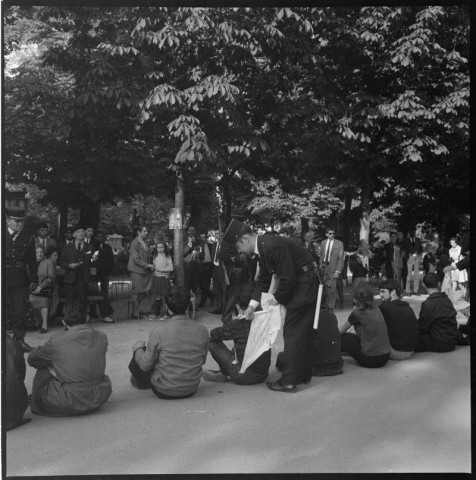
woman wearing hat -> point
(140, 268)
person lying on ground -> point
(369, 346)
(402, 324)
(171, 361)
(437, 326)
(71, 378)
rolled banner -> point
(318, 306)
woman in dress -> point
(160, 281)
(369, 346)
(46, 278)
(458, 277)
(140, 269)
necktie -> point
(328, 251)
(80, 247)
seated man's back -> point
(71, 367)
(402, 324)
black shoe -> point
(24, 345)
(277, 386)
(216, 312)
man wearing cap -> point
(76, 261)
(297, 291)
(16, 273)
(331, 263)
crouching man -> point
(230, 362)
(171, 362)
(71, 378)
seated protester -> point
(326, 347)
(438, 329)
(370, 345)
(402, 324)
(105, 308)
(230, 361)
(16, 397)
(171, 363)
(71, 365)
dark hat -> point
(69, 228)
(15, 214)
(234, 230)
(78, 227)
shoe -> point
(24, 345)
(43, 330)
(214, 376)
(277, 386)
(107, 320)
(216, 312)
(165, 317)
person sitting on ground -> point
(370, 345)
(171, 362)
(230, 361)
(71, 378)
(438, 329)
(16, 396)
(402, 324)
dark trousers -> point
(218, 276)
(225, 357)
(350, 343)
(104, 285)
(426, 343)
(204, 279)
(18, 296)
(77, 291)
(141, 380)
(232, 295)
(297, 335)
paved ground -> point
(411, 416)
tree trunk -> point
(89, 213)
(227, 202)
(347, 217)
(364, 233)
(63, 219)
(178, 234)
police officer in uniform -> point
(17, 279)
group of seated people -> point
(71, 378)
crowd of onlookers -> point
(71, 378)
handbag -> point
(44, 292)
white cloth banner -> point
(455, 296)
(264, 330)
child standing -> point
(160, 281)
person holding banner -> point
(230, 361)
(296, 290)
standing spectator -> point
(310, 244)
(45, 276)
(360, 268)
(41, 239)
(160, 281)
(218, 275)
(414, 249)
(171, 362)
(76, 262)
(104, 263)
(68, 238)
(140, 268)
(369, 346)
(393, 259)
(296, 290)
(438, 329)
(429, 259)
(332, 263)
(458, 277)
(53, 256)
(89, 237)
(204, 269)
(190, 254)
(16, 273)
(442, 260)
(402, 324)
(70, 377)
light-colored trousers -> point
(413, 263)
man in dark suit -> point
(297, 291)
(17, 280)
(76, 261)
(104, 263)
(331, 263)
(218, 275)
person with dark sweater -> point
(369, 346)
(438, 329)
(402, 324)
